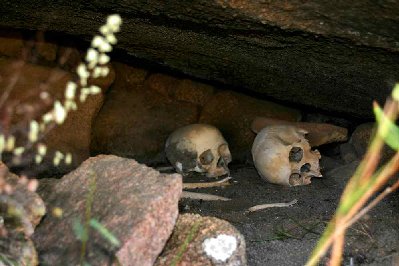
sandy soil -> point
(286, 236)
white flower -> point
(10, 143)
(104, 71)
(220, 248)
(111, 38)
(96, 72)
(59, 113)
(38, 158)
(104, 29)
(48, 117)
(18, 151)
(103, 59)
(70, 105)
(57, 158)
(92, 55)
(41, 149)
(94, 89)
(83, 74)
(97, 41)
(105, 47)
(114, 22)
(33, 131)
(68, 158)
(70, 90)
(2, 143)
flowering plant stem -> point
(365, 182)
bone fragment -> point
(220, 183)
(271, 205)
(202, 196)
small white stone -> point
(179, 166)
(220, 248)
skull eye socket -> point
(221, 162)
(305, 168)
(296, 154)
(206, 157)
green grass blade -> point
(104, 232)
(387, 129)
(79, 230)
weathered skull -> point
(283, 156)
(200, 148)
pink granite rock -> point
(136, 203)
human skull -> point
(200, 148)
(283, 156)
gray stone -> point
(348, 152)
(323, 54)
(137, 204)
(199, 233)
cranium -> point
(200, 148)
(283, 156)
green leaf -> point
(104, 232)
(79, 230)
(395, 92)
(387, 129)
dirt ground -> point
(286, 236)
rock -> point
(210, 241)
(130, 76)
(46, 50)
(348, 152)
(15, 249)
(69, 57)
(74, 135)
(232, 113)
(319, 133)
(20, 210)
(28, 201)
(193, 92)
(137, 204)
(162, 83)
(361, 137)
(135, 120)
(104, 82)
(180, 89)
(328, 163)
(11, 44)
(291, 51)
